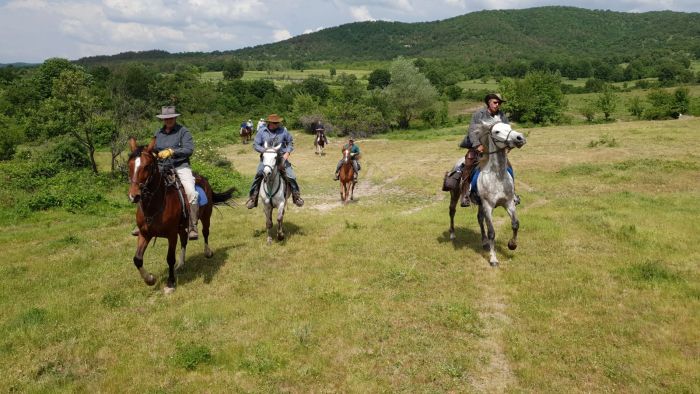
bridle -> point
(272, 171)
(146, 192)
(496, 142)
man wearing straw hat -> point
(174, 143)
(274, 133)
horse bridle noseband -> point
(494, 141)
(279, 184)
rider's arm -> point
(258, 143)
(186, 147)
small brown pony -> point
(246, 133)
(320, 142)
(347, 177)
(160, 211)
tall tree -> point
(409, 92)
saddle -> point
(452, 179)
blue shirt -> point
(280, 135)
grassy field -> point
(602, 295)
(286, 77)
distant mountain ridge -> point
(484, 35)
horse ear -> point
(132, 144)
(265, 145)
(151, 145)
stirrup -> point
(298, 201)
(192, 235)
(252, 202)
(465, 201)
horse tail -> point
(222, 197)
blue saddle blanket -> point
(202, 199)
(475, 177)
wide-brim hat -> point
(167, 113)
(492, 96)
(274, 118)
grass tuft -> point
(190, 356)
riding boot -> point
(337, 176)
(135, 232)
(296, 194)
(194, 217)
(254, 190)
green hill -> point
(528, 34)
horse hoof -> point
(512, 245)
(452, 236)
(486, 247)
(269, 240)
(493, 264)
(179, 265)
(208, 254)
(150, 280)
(168, 290)
(280, 237)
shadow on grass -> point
(471, 238)
(198, 266)
(290, 230)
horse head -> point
(346, 155)
(502, 134)
(270, 159)
(142, 167)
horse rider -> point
(320, 129)
(354, 159)
(492, 112)
(260, 125)
(248, 126)
(274, 134)
(174, 142)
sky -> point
(35, 30)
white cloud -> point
(307, 31)
(457, 3)
(281, 35)
(360, 14)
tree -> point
(352, 90)
(536, 99)
(233, 69)
(379, 78)
(73, 109)
(49, 71)
(635, 106)
(316, 88)
(409, 91)
(607, 101)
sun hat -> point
(274, 118)
(492, 96)
(167, 113)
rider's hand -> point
(165, 153)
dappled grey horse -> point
(274, 189)
(494, 184)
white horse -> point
(495, 185)
(274, 190)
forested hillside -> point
(529, 34)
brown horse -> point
(246, 133)
(320, 142)
(347, 177)
(160, 211)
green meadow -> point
(602, 294)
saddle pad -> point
(202, 199)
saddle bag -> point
(451, 181)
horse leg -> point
(206, 220)
(480, 218)
(142, 244)
(453, 208)
(183, 247)
(352, 191)
(515, 224)
(268, 221)
(488, 215)
(280, 217)
(172, 243)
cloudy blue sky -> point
(34, 30)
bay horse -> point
(160, 212)
(347, 177)
(495, 186)
(320, 142)
(274, 189)
(246, 133)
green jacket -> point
(354, 151)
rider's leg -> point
(356, 167)
(184, 172)
(470, 161)
(255, 188)
(516, 198)
(289, 175)
(337, 170)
